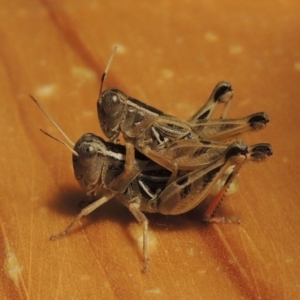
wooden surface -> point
(171, 54)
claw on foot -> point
(146, 266)
(56, 236)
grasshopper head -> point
(111, 109)
(89, 162)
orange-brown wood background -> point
(171, 54)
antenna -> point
(51, 120)
(106, 70)
(58, 140)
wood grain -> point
(171, 54)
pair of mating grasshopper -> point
(168, 165)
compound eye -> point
(111, 103)
(89, 156)
(90, 150)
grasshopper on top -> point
(167, 140)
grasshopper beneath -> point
(97, 165)
(167, 140)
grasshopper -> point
(97, 165)
(167, 140)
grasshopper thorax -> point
(119, 113)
